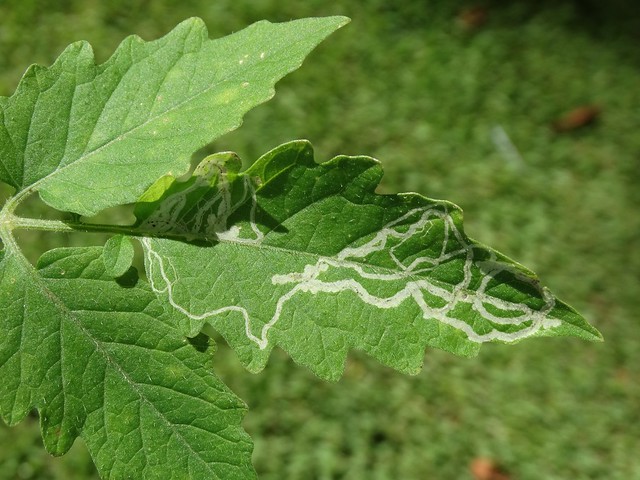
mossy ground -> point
(409, 83)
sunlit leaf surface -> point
(308, 257)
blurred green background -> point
(457, 100)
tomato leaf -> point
(308, 257)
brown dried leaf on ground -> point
(486, 469)
(577, 118)
(472, 18)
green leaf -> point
(309, 258)
(103, 360)
(118, 255)
(88, 137)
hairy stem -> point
(12, 222)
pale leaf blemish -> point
(226, 96)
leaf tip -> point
(342, 20)
(593, 335)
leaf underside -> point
(308, 257)
(104, 360)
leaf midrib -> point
(317, 256)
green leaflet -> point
(104, 360)
(309, 258)
(88, 137)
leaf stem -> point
(9, 223)
(60, 226)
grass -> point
(406, 83)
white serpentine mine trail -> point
(412, 279)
